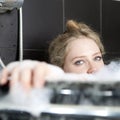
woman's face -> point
(83, 56)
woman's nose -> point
(92, 68)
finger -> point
(26, 78)
(4, 76)
(39, 74)
(14, 77)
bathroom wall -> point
(45, 19)
(111, 27)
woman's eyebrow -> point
(97, 53)
(77, 57)
(85, 56)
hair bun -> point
(71, 25)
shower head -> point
(6, 5)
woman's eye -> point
(98, 58)
(79, 62)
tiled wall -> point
(111, 27)
(45, 19)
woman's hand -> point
(29, 73)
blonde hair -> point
(58, 47)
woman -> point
(69, 50)
(78, 50)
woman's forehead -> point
(82, 42)
(82, 46)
